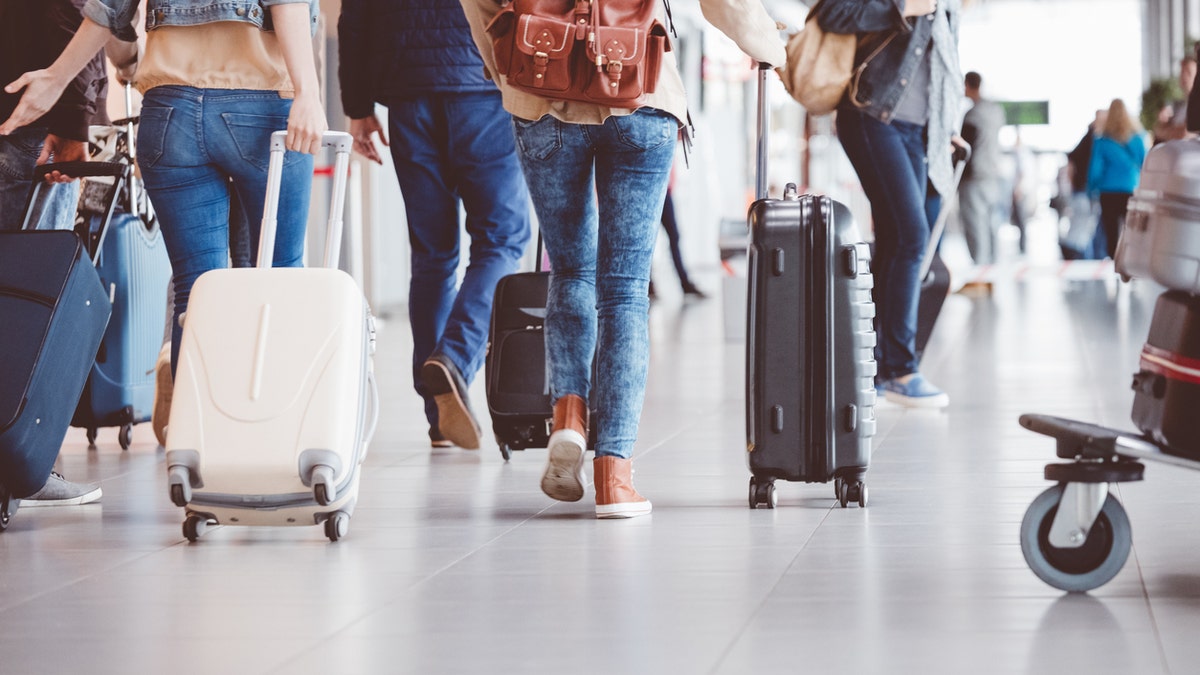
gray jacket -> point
(117, 15)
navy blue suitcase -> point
(135, 270)
(53, 311)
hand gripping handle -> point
(341, 143)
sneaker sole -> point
(626, 510)
(939, 401)
(88, 498)
(563, 478)
(454, 420)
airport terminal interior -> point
(456, 562)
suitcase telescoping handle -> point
(760, 134)
(960, 158)
(341, 143)
(80, 170)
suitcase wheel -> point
(125, 436)
(337, 525)
(91, 437)
(505, 451)
(7, 508)
(763, 492)
(851, 492)
(194, 526)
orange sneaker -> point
(563, 478)
(615, 496)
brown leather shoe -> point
(456, 422)
(563, 478)
(615, 496)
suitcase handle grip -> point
(80, 169)
(341, 143)
(760, 136)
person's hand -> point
(959, 147)
(61, 150)
(364, 130)
(306, 124)
(919, 7)
(42, 90)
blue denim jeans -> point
(194, 147)
(450, 148)
(891, 165)
(55, 208)
(598, 191)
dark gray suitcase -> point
(1167, 385)
(810, 364)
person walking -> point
(1117, 156)
(451, 143)
(218, 79)
(982, 183)
(598, 177)
(897, 123)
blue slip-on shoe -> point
(917, 392)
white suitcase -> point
(274, 399)
(1161, 236)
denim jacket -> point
(888, 74)
(117, 15)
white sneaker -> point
(563, 478)
(59, 491)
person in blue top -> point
(1117, 155)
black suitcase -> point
(518, 389)
(810, 364)
(1167, 385)
(53, 311)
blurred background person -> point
(1117, 155)
(982, 181)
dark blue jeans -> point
(891, 165)
(451, 148)
(55, 209)
(194, 147)
(598, 191)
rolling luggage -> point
(1161, 236)
(135, 269)
(810, 365)
(274, 401)
(1167, 385)
(518, 389)
(53, 311)
(935, 276)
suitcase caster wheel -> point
(1089, 566)
(762, 493)
(844, 495)
(769, 496)
(125, 436)
(337, 525)
(837, 487)
(853, 492)
(862, 496)
(179, 495)
(7, 508)
(91, 437)
(505, 451)
(194, 526)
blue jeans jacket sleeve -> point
(115, 15)
(861, 16)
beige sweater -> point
(745, 21)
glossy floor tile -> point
(456, 563)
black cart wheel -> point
(769, 496)
(337, 525)
(177, 496)
(125, 436)
(837, 487)
(91, 436)
(844, 496)
(1089, 566)
(862, 496)
(753, 492)
(505, 451)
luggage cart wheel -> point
(125, 436)
(194, 526)
(337, 525)
(91, 437)
(1093, 563)
(505, 451)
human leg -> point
(18, 158)
(890, 162)
(417, 131)
(975, 208)
(1112, 216)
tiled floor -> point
(456, 563)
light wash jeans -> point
(194, 147)
(55, 208)
(598, 191)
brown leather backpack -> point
(606, 52)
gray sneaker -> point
(59, 491)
